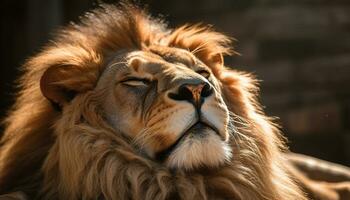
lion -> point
(120, 106)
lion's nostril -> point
(207, 90)
(184, 93)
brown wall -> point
(299, 49)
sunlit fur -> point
(76, 153)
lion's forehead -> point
(161, 59)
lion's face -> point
(170, 105)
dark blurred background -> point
(300, 50)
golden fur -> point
(76, 154)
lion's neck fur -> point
(89, 163)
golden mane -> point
(43, 151)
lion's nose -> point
(194, 93)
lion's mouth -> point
(197, 129)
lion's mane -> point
(74, 154)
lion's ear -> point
(216, 59)
(206, 44)
(61, 83)
(50, 87)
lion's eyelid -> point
(204, 73)
(135, 82)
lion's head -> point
(169, 104)
(122, 107)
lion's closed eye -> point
(136, 82)
(204, 73)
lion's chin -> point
(199, 150)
